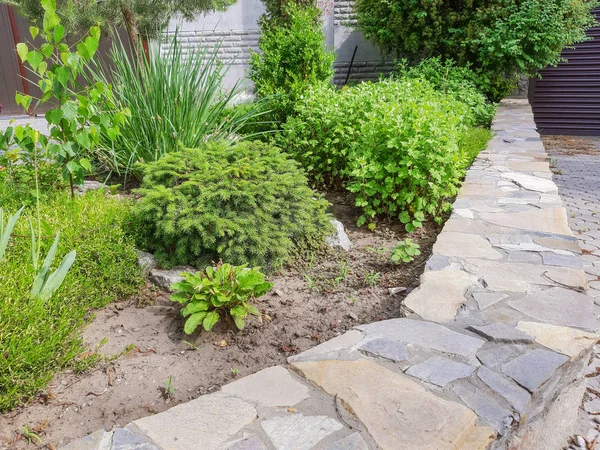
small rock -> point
(277, 293)
(339, 238)
(581, 442)
(165, 278)
(89, 185)
(146, 261)
(353, 316)
(396, 290)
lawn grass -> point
(471, 142)
(39, 338)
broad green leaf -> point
(42, 274)
(51, 20)
(84, 140)
(42, 68)
(47, 49)
(58, 276)
(182, 286)
(85, 163)
(252, 310)
(194, 308)
(54, 116)
(22, 51)
(180, 297)
(63, 75)
(238, 311)
(69, 110)
(59, 32)
(193, 321)
(34, 31)
(239, 322)
(23, 100)
(210, 320)
(48, 5)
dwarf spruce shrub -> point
(247, 203)
(394, 144)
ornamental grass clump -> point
(245, 204)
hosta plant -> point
(224, 289)
(405, 251)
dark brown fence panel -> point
(566, 100)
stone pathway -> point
(492, 357)
(577, 174)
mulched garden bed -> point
(311, 302)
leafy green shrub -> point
(246, 204)
(394, 144)
(176, 97)
(405, 251)
(293, 56)
(501, 39)
(223, 288)
(39, 337)
(460, 82)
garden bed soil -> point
(311, 302)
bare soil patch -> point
(311, 302)
(571, 145)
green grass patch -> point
(39, 338)
(471, 142)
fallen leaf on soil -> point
(111, 374)
(288, 348)
(221, 343)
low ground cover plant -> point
(245, 204)
(394, 144)
(224, 289)
(40, 334)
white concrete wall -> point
(239, 32)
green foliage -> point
(293, 57)
(221, 289)
(501, 39)
(460, 82)
(394, 144)
(246, 203)
(76, 119)
(405, 251)
(175, 99)
(40, 337)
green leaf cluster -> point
(293, 56)
(405, 251)
(243, 203)
(221, 289)
(500, 39)
(394, 144)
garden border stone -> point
(491, 357)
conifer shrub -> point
(247, 203)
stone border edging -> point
(492, 357)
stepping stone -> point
(352, 442)
(385, 348)
(299, 432)
(549, 220)
(274, 386)
(124, 439)
(485, 407)
(90, 442)
(335, 348)
(505, 388)
(464, 245)
(524, 257)
(440, 294)
(534, 368)
(558, 306)
(425, 334)
(398, 413)
(440, 371)
(530, 182)
(551, 259)
(565, 340)
(499, 354)
(499, 332)
(437, 262)
(251, 443)
(210, 419)
(486, 299)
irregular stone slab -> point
(330, 349)
(464, 212)
(464, 245)
(499, 332)
(165, 278)
(124, 439)
(530, 182)
(532, 166)
(339, 238)
(90, 442)
(524, 257)
(385, 348)
(485, 407)
(211, 419)
(437, 262)
(440, 295)
(352, 442)
(557, 244)
(426, 335)
(532, 247)
(533, 368)
(440, 371)
(499, 354)
(398, 413)
(299, 432)
(551, 259)
(486, 299)
(558, 306)
(509, 277)
(274, 386)
(549, 220)
(507, 389)
(568, 341)
(567, 277)
(250, 443)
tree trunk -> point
(132, 32)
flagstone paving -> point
(491, 357)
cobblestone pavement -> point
(576, 166)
